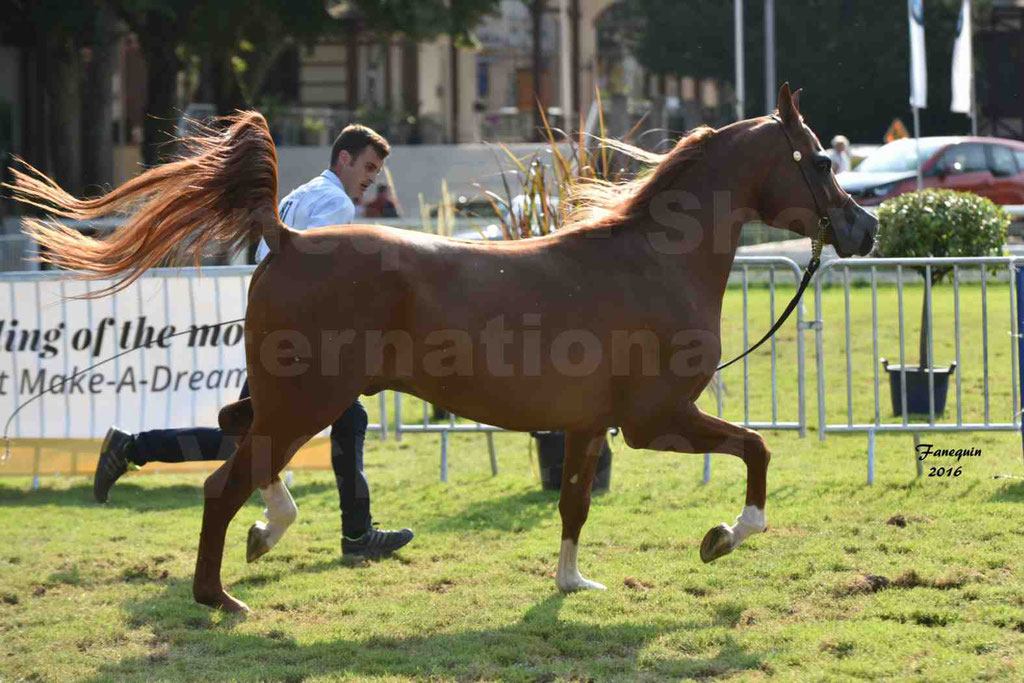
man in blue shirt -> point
(356, 157)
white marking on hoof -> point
(723, 539)
(280, 512)
(568, 577)
(750, 521)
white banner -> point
(918, 69)
(178, 381)
(963, 62)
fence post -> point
(871, 456)
(444, 457)
(493, 453)
(920, 465)
(1019, 276)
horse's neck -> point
(717, 204)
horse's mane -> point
(603, 204)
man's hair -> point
(355, 138)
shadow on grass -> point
(513, 513)
(191, 645)
(1010, 493)
(130, 495)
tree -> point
(851, 57)
(160, 26)
(234, 42)
(51, 35)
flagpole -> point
(918, 75)
(769, 56)
(738, 38)
(974, 108)
(917, 145)
(974, 94)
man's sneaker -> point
(112, 464)
(375, 543)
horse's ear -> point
(796, 99)
(787, 109)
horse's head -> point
(802, 193)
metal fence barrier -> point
(986, 274)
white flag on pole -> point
(918, 70)
(963, 61)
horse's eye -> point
(823, 162)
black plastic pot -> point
(551, 456)
(917, 388)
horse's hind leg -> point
(582, 450)
(281, 512)
(255, 464)
(702, 433)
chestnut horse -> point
(612, 321)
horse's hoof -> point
(256, 545)
(578, 583)
(717, 542)
(220, 600)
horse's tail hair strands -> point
(222, 192)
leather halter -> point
(824, 223)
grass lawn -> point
(909, 578)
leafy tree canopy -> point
(851, 57)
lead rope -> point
(819, 242)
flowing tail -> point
(224, 191)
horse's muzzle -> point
(853, 230)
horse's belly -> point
(519, 404)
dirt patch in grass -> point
(929, 619)
(143, 572)
(909, 579)
(897, 520)
(636, 584)
(861, 585)
(872, 583)
(839, 649)
(442, 586)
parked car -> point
(990, 167)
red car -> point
(991, 167)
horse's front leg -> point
(582, 450)
(699, 432)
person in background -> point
(840, 153)
(381, 206)
(356, 157)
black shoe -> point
(375, 543)
(113, 462)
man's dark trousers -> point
(208, 443)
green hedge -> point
(941, 223)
